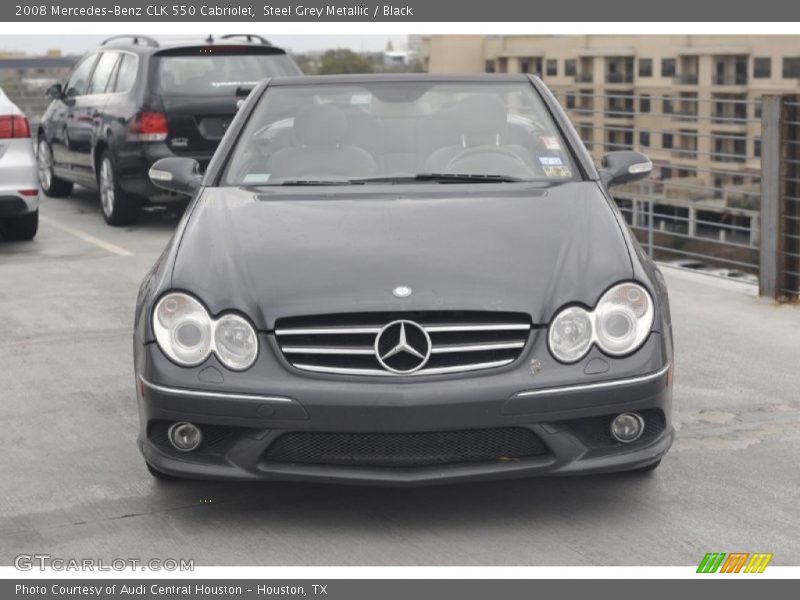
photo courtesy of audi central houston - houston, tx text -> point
(283, 298)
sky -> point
(78, 44)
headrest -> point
(481, 114)
(320, 125)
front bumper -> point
(565, 408)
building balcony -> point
(730, 79)
(623, 78)
(584, 78)
(686, 79)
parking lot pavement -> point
(74, 484)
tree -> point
(343, 60)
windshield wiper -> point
(301, 182)
(443, 178)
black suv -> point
(135, 100)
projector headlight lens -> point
(623, 319)
(183, 329)
(187, 334)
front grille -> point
(459, 341)
(405, 449)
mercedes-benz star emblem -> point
(403, 347)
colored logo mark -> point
(734, 562)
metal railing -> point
(701, 207)
(780, 206)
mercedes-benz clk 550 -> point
(402, 280)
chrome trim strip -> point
(428, 328)
(595, 386)
(477, 347)
(382, 373)
(224, 395)
(327, 350)
(496, 327)
(327, 330)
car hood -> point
(306, 251)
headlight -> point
(187, 334)
(183, 329)
(623, 318)
(570, 334)
(619, 324)
(235, 342)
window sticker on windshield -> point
(550, 142)
(561, 171)
(551, 160)
(256, 178)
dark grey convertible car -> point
(403, 280)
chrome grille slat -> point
(327, 350)
(477, 347)
(426, 371)
(459, 341)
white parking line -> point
(86, 237)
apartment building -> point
(691, 102)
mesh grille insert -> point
(405, 449)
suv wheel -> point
(50, 184)
(21, 228)
(119, 208)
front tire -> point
(51, 185)
(119, 207)
(22, 227)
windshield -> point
(207, 74)
(399, 131)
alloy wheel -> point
(44, 159)
(107, 187)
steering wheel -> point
(484, 151)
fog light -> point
(627, 427)
(185, 436)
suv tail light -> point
(148, 127)
(14, 126)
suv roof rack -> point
(250, 37)
(137, 39)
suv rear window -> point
(209, 71)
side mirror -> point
(176, 174)
(624, 166)
(55, 91)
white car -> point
(19, 184)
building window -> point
(762, 68)
(524, 66)
(791, 68)
(666, 141)
(666, 173)
(552, 67)
(668, 67)
(570, 99)
(644, 139)
(569, 67)
(667, 104)
(645, 67)
(490, 66)
(644, 103)
(757, 147)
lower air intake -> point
(405, 449)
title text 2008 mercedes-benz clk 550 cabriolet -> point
(402, 280)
